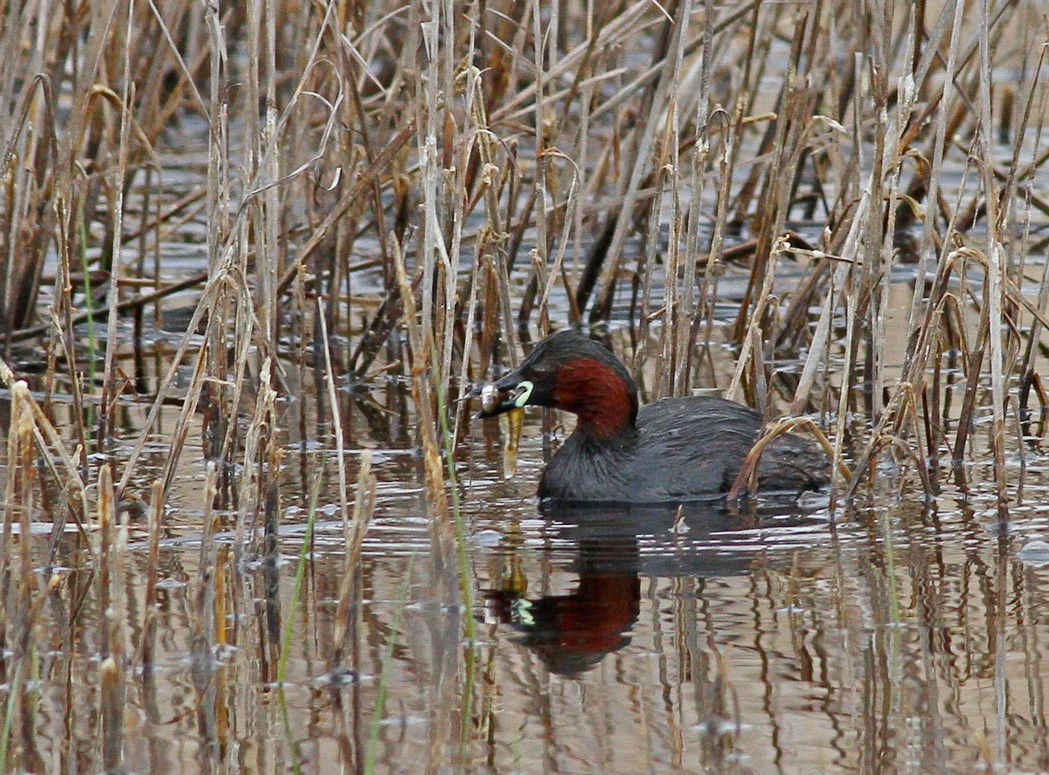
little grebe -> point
(673, 450)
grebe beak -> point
(503, 396)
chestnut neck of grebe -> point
(603, 399)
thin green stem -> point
(300, 577)
(89, 302)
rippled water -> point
(893, 636)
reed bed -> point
(388, 194)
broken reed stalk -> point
(52, 448)
(421, 386)
(155, 516)
(746, 479)
(111, 582)
(205, 625)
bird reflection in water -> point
(615, 546)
